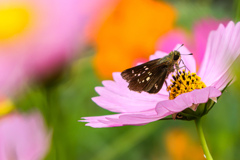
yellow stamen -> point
(184, 82)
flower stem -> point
(202, 138)
(237, 6)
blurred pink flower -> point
(38, 36)
(223, 47)
(23, 137)
(196, 42)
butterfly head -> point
(175, 55)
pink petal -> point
(223, 81)
(23, 137)
(134, 119)
(201, 31)
(100, 121)
(138, 118)
(158, 54)
(14, 73)
(168, 41)
(116, 97)
(163, 108)
(186, 100)
(223, 48)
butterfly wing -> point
(148, 77)
(156, 85)
(140, 70)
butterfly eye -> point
(176, 57)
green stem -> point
(237, 5)
(202, 138)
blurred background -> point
(54, 53)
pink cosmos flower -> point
(39, 36)
(223, 47)
(23, 137)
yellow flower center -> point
(13, 20)
(6, 106)
(184, 82)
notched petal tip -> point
(194, 107)
(214, 99)
(174, 115)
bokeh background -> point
(54, 53)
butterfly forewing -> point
(139, 70)
(148, 77)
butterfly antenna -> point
(187, 54)
(179, 47)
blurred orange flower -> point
(181, 146)
(130, 32)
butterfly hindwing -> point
(143, 82)
(159, 83)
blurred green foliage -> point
(68, 99)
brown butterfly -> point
(150, 76)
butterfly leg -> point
(177, 68)
(166, 84)
(184, 66)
